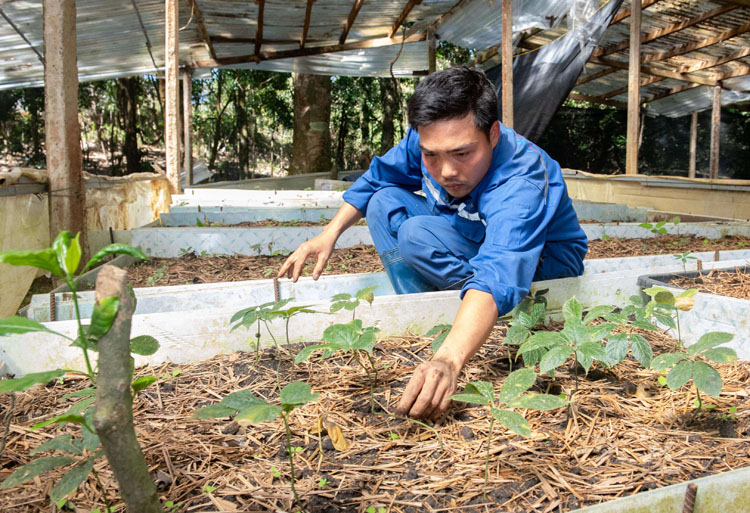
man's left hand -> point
(428, 393)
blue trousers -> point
(421, 251)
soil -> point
(723, 283)
(359, 259)
(623, 435)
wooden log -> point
(715, 134)
(172, 108)
(634, 93)
(693, 142)
(187, 109)
(507, 63)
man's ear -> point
(494, 133)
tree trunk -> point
(126, 88)
(113, 418)
(217, 123)
(243, 143)
(341, 140)
(311, 146)
(388, 99)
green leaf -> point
(71, 481)
(647, 226)
(18, 325)
(542, 402)
(102, 317)
(619, 318)
(470, 398)
(20, 384)
(554, 358)
(241, 399)
(541, 340)
(72, 256)
(366, 294)
(667, 360)
(664, 297)
(344, 296)
(645, 325)
(437, 329)
(85, 392)
(516, 383)
(483, 388)
(141, 383)
(538, 313)
(44, 259)
(599, 332)
(617, 348)
(689, 292)
(576, 332)
(438, 341)
(636, 300)
(641, 349)
(512, 421)
(257, 414)
(531, 358)
(652, 291)
(721, 354)
(297, 394)
(366, 341)
(240, 314)
(596, 312)
(706, 378)
(214, 411)
(59, 443)
(525, 320)
(593, 350)
(305, 353)
(113, 249)
(65, 418)
(516, 335)
(343, 336)
(33, 469)
(572, 310)
(666, 320)
(144, 345)
(709, 340)
(680, 374)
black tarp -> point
(543, 78)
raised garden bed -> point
(723, 282)
(626, 435)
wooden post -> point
(172, 108)
(693, 142)
(62, 133)
(507, 63)
(634, 96)
(187, 108)
(432, 52)
(715, 133)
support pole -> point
(715, 133)
(507, 64)
(62, 133)
(693, 142)
(172, 109)
(634, 96)
(432, 52)
(187, 109)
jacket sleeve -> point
(515, 235)
(401, 166)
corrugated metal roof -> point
(698, 99)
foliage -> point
(659, 228)
(349, 302)
(526, 316)
(688, 362)
(512, 396)
(440, 332)
(634, 315)
(63, 260)
(246, 409)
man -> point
(494, 215)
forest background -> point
(245, 122)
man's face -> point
(456, 153)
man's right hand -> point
(320, 246)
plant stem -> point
(257, 342)
(291, 457)
(265, 322)
(679, 331)
(487, 459)
(369, 377)
(101, 487)
(700, 402)
(81, 333)
(287, 329)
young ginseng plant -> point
(349, 302)
(63, 260)
(687, 362)
(254, 315)
(349, 338)
(501, 407)
(659, 228)
(633, 315)
(579, 338)
(246, 408)
(530, 313)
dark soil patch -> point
(723, 283)
(663, 245)
(617, 443)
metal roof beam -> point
(401, 17)
(665, 31)
(18, 31)
(696, 45)
(308, 15)
(259, 30)
(350, 20)
(202, 27)
(716, 61)
(670, 92)
(625, 13)
(306, 52)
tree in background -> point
(311, 149)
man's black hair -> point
(453, 93)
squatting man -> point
(461, 203)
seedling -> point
(732, 415)
(248, 409)
(687, 362)
(393, 436)
(441, 330)
(526, 316)
(659, 228)
(633, 315)
(501, 407)
(255, 315)
(349, 302)
(63, 260)
(372, 509)
(349, 338)
(158, 275)
(684, 257)
(322, 482)
(207, 489)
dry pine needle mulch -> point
(723, 283)
(363, 258)
(626, 434)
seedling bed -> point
(363, 258)
(266, 223)
(627, 434)
(721, 282)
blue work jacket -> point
(520, 211)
